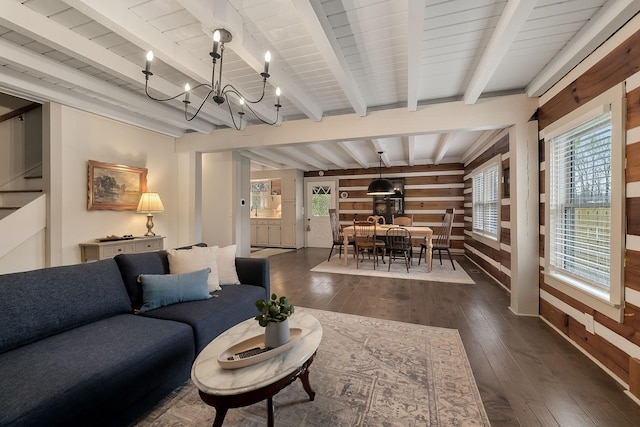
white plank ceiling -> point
(330, 57)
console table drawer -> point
(111, 251)
(147, 245)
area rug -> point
(439, 273)
(367, 372)
(266, 253)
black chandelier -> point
(380, 186)
(217, 92)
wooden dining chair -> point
(365, 240)
(405, 220)
(338, 235)
(442, 241)
(378, 219)
(399, 243)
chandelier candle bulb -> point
(187, 88)
(278, 97)
(147, 65)
(267, 59)
(216, 41)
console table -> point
(95, 251)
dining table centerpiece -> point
(274, 317)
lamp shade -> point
(380, 187)
(150, 202)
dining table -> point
(381, 230)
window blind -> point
(491, 201)
(478, 202)
(486, 201)
(580, 201)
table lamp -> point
(149, 203)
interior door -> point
(320, 196)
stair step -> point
(9, 208)
(20, 191)
(33, 177)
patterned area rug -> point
(438, 273)
(368, 372)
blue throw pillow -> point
(164, 289)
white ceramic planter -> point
(276, 334)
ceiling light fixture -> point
(218, 93)
(380, 186)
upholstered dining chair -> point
(365, 240)
(338, 236)
(399, 243)
(442, 241)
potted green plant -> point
(274, 317)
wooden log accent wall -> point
(612, 344)
(429, 190)
(496, 262)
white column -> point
(189, 198)
(525, 228)
(52, 167)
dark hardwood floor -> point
(527, 374)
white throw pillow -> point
(227, 273)
(194, 259)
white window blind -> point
(486, 202)
(580, 201)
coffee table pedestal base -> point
(223, 403)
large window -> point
(584, 206)
(580, 201)
(486, 200)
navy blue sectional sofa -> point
(72, 351)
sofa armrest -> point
(254, 271)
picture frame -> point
(115, 187)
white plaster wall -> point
(27, 256)
(218, 210)
(86, 137)
(12, 145)
(225, 182)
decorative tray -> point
(114, 238)
(226, 358)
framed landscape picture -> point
(115, 187)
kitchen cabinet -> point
(288, 189)
(254, 232)
(274, 234)
(267, 232)
(288, 224)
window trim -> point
(489, 240)
(609, 303)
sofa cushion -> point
(133, 265)
(39, 303)
(194, 259)
(89, 374)
(164, 289)
(209, 318)
(227, 274)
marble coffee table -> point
(224, 389)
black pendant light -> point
(380, 186)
